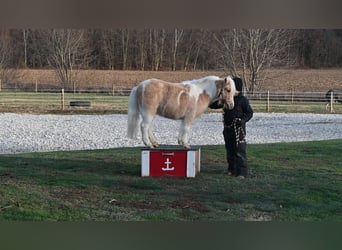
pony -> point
(337, 97)
(183, 101)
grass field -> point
(296, 107)
(279, 79)
(40, 103)
(288, 182)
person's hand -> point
(239, 121)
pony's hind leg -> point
(181, 134)
(152, 138)
(184, 131)
(146, 130)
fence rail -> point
(256, 95)
(288, 96)
(110, 91)
(116, 99)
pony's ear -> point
(220, 83)
(225, 80)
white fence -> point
(11, 97)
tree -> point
(25, 37)
(319, 48)
(125, 38)
(156, 47)
(36, 51)
(250, 53)
(176, 38)
(109, 47)
(7, 74)
(141, 44)
(66, 53)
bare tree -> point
(194, 41)
(66, 53)
(177, 36)
(109, 47)
(125, 37)
(156, 47)
(36, 52)
(250, 53)
(141, 54)
(25, 37)
(7, 74)
(5, 51)
(191, 40)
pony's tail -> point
(133, 114)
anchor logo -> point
(167, 163)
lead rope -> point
(239, 133)
(240, 136)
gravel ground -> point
(41, 133)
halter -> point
(219, 96)
(220, 93)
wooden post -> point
(36, 86)
(268, 101)
(0, 85)
(62, 99)
(113, 90)
(292, 95)
(331, 101)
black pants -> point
(236, 153)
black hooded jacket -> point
(242, 110)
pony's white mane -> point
(195, 81)
(198, 85)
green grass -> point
(288, 182)
(296, 107)
(30, 102)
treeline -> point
(150, 49)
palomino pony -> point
(179, 101)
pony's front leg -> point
(180, 135)
(184, 131)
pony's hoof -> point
(187, 146)
(156, 145)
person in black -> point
(234, 131)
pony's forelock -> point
(233, 88)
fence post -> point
(0, 85)
(331, 101)
(113, 89)
(36, 86)
(62, 99)
(292, 95)
(268, 101)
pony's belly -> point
(171, 114)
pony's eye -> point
(227, 90)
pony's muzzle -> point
(230, 105)
(227, 104)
